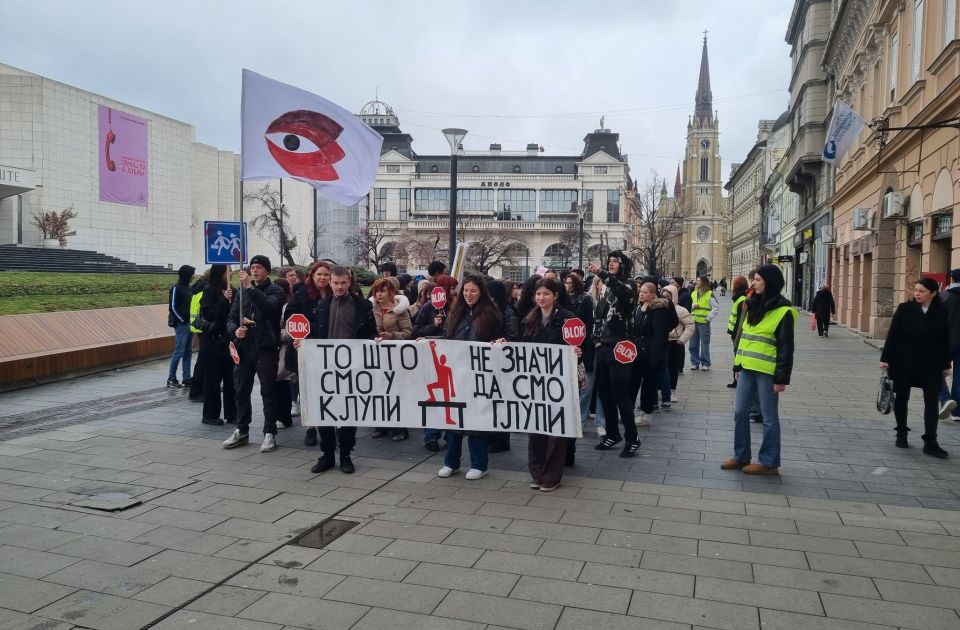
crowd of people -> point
(242, 335)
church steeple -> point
(676, 184)
(704, 98)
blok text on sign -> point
(574, 331)
(438, 297)
(298, 326)
(625, 352)
(440, 384)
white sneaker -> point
(601, 432)
(235, 440)
(295, 408)
(946, 409)
(446, 471)
(269, 443)
(473, 474)
(643, 420)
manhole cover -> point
(107, 501)
(324, 533)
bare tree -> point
(273, 224)
(315, 245)
(489, 247)
(373, 244)
(659, 223)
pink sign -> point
(123, 157)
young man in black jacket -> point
(343, 315)
(178, 318)
(257, 338)
(611, 324)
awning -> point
(16, 181)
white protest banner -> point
(440, 384)
(845, 126)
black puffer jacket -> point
(651, 329)
(582, 307)
(262, 304)
(611, 322)
(552, 333)
(215, 308)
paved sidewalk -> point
(664, 541)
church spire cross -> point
(704, 98)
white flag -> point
(288, 132)
(845, 126)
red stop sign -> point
(438, 297)
(234, 354)
(625, 351)
(574, 331)
(298, 326)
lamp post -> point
(454, 137)
(581, 212)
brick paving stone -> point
(399, 596)
(918, 555)
(868, 567)
(766, 524)
(547, 515)
(38, 516)
(796, 514)
(191, 566)
(887, 522)
(449, 504)
(833, 546)
(701, 532)
(931, 541)
(622, 523)
(896, 613)
(849, 532)
(781, 620)
(358, 543)
(712, 567)
(945, 577)
(494, 541)
(459, 520)
(554, 531)
(384, 512)
(815, 581)
(522, 564)
(27, 595)
(102, 612)
(405, 531)
(752, 553)
(226, 600)
(169, 537)
(578, 619)
(499, 610)
(591, 553)
(291, 581)
(184, 619)
(462, 579)
(432, 552)
(759, 595)
(383, 619)
(922, 594)
(695, 611)
(304, 612)
(39, 538)
(172, 591)
(360, 565)
(106, 578)
(107, 527)
(652, 542)
(644, 580)
(13, 620)
(31, 563)
(576, 594)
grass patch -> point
(41, 292)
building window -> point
(404, 204)
(516, 169)
(393, 168)
(475, 200)
(943, 226)
(704, 168)
(599, 170)
(558, 169)
(516, 204)
(613, 206)
(517, 274)
(432, 200)
(557, 201)
(894, 65)
(379, 204)
(673, 254)
(949, 21)
(434, 169)
(915, 234)
(588, 199)
(917, 38)
(475, 169)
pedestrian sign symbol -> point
(225, 242)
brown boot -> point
(760, 469)
(733, 464)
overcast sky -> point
(512, 72)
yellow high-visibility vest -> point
(701, 306)
(758, 344)
(732, 321)
(195, 310)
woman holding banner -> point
(306, 299)
(391, 311)
(544, 324)
(473, 317)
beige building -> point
(895, 60)
(703, 248)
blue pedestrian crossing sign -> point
(225, 242)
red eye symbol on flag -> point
(304, 143)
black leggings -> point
(675, 358)
(823, 325)
(646, 382)
(931, 406)
(613, 389)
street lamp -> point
(581, 212)
(454, 137)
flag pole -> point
(243, 249)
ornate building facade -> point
(703, 249)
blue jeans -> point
(585, 395)
(431, 435)
(954, 390)
(476, 444)
(700, 345)
(182, 350)
(750, 387)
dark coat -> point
(951, 299)
(466, 331)
(423, 325)
(552, 333)
(611, 320)
(915, 347)
(262, 304)
(364, 325)
(215, 309)
(511, 323)
(823, 305)
(178, 304)
(582, 307)
(684, 299)
(651, 328)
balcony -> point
(498, 177)
(540, 225)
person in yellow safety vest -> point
(763, 364)
(739, 287)
(705, 308)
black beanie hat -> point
(261, 260)
(929, 284)
(772, 280)
(185, 274)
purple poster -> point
(123, 157)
